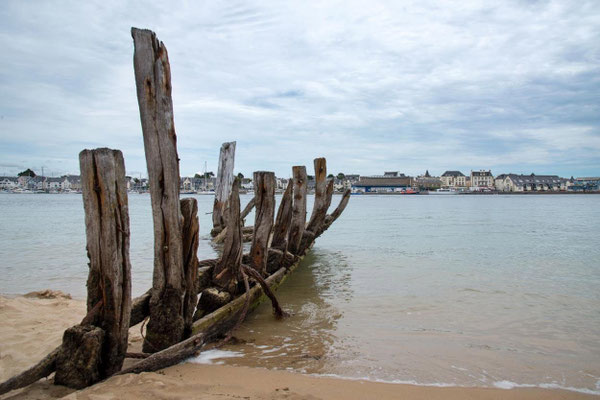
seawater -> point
(442, 290)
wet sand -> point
(33, 326)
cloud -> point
(409, 85)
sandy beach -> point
(33, 325)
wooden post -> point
(227, 271)
(189, 210)
(223, 187)
(97, 349)
(320, 207)
(264, 195)
(298, 209)
(318, 220)
(153, 82)
(283, 220)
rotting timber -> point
(179, 324)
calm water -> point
(457, 290)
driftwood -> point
(96, 348)
(264, 193)
(140, 308)
(298, 209)
(226, 274)
(190, 232)
(223, 186)
(283, 219)
(41, 370)
(153, 82)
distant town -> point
(450, 182)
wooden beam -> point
(298, 209)
(153, 82)
(223, 185)
(264, 195)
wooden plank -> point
(223, 186)
(264, 195)
(104, 193)
(283, 219)
(298, 208)
(153, 82)
(227, 271)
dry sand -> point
(32, 326)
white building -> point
(8, 182)
(481, 180)
(453, 179)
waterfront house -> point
(531, 183)
(8, 182)
(54, 183)
(481, 180)
(393, 182)
(453, 179)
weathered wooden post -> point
(298, 209)
(283, 219)
(228, 269)
(320, 206)
(223, 186)
(264, 195)
(190, 229)
(95, 350)
(153, 82)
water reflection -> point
(306, 340)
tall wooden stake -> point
(189, 210)
(283, 219)
(264, 195)
(153, 82)
(96, 350)
(227, 272)
(223, 187)
(298, 209)
(320, 207)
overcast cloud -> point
(372, 86)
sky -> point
(409, 86)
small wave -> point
(207, 357)
(512, 385)
(498, 384)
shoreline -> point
(34, 325)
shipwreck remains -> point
(191, 303)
